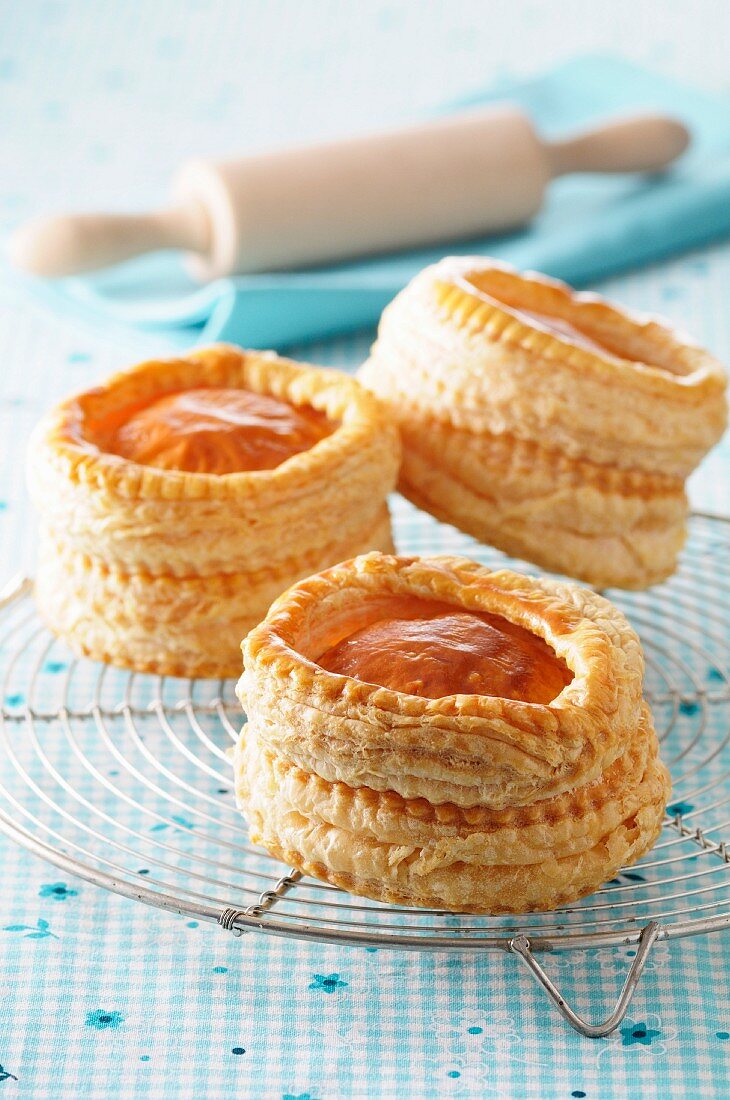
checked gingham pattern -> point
(101, 997)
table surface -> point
(104, 997)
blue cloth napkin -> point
(591, 226)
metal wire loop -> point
(228, 919)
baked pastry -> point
(553, 425)
(430, 732)
(179, 498)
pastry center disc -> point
(433, 649)
(216, 431)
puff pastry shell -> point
(550, 424)
(467, 802)
(164, 570)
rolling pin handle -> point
(641, 143)
(69, 244)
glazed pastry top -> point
(431, 649)
(211, 430)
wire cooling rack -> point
(124, 780)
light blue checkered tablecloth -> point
(100, 997)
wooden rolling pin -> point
(461, 176)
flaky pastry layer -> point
(164, 570)
(408, 851)
(621, 535)
(568, 454)
(181, 626)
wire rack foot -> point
(520, 946)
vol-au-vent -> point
(179, 498)
(553, 425)
(370, 758)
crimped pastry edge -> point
(59, 438)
